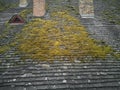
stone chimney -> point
(23, 3)
(86, 8)
(39, 8)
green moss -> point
(113, 12)
(117, 55)
(111, 16)
(57, 7)
(5, 33)
(4, 6)
(3, 49)
(6, 30)
(25, 12)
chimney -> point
(38, 8)
(23, 3)
(86, 8)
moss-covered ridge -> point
(61, 36)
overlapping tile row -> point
(15, 73)
(106, 32)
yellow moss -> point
(63, 35)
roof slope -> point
(17, 74)
(31, 75)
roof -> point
(17, 74)
(32, 75)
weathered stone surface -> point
(39, 8)
(86, 8)
(23, 3)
